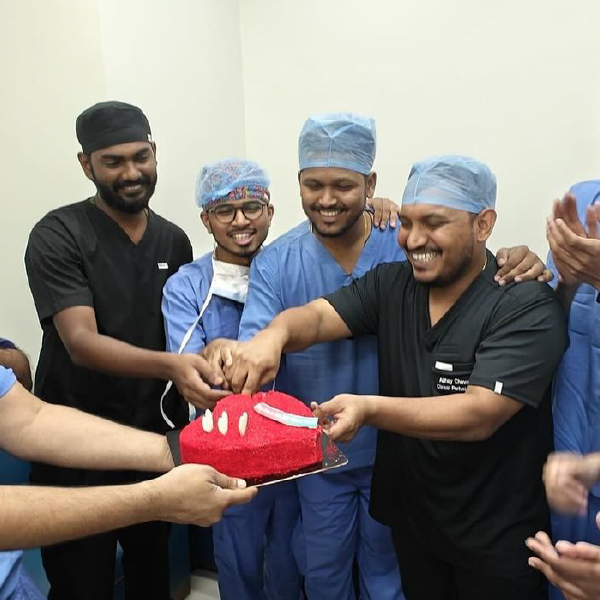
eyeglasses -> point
(226, 213)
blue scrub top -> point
(11, 572)
(293, 270)
(576, 392)
(11, 566)
(183, 297)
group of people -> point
(429, 360)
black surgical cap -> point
(109, 123)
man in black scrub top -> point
(465, 368)
(96, 270)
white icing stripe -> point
(262, 408)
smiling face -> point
(238, 241)
(333, 199)
(124, 175)
(443, 244)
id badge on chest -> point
(449, 377)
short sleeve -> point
(264, 301)
(358, 303)
(55, 269)
(552, 267)
(184, 250)
(180, 309)
(7, 380)
(521, 349)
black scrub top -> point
(471, 502)
(78, 256)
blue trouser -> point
(576, 529)
(253, 547)
(336, 529)
(15, 583)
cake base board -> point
(333, 458)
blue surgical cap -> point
(453, 181)
(344, 140)
(231, 179)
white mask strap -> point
(184, 343)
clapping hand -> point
(575, 247)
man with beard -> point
(96, 270)
(334, 247)
(203, 301)
(338, 243)
(465, 367)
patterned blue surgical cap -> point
(231, 179)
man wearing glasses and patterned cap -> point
(203, 301)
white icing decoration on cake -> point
(207, 421)
(222, 423)
(243, 423)
(275, 414)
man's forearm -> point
(302, 327)
(34, 516)
(78, 331)
(456, 417)
(106, 354)
(38, 431)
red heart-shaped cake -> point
(258, 450)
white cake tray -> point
(332, 459)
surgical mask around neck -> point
(229, 281)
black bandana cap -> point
(110, 123)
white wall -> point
(179, 60)
(50, 66)
(515, 83)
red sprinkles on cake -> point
(268, 449)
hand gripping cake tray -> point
(264, 438)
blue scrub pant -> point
(337, 529)
(15, 583)
(253, 547)
(575, 529)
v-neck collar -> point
(365, 259)
(433, 333)
(108, 224)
